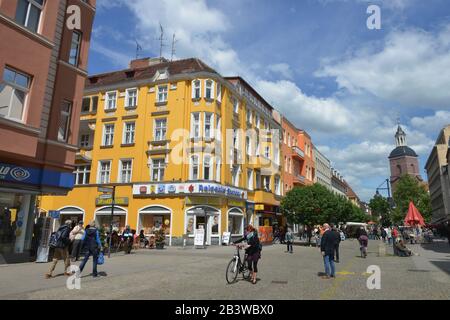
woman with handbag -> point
(93, 246)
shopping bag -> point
(100, 258)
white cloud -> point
(432, 124)
(408, 69)
(283, 69)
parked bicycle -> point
(237, 266)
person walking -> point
(253, 252)
(76, 236)
(389, 234)
(60, 241)
(338, 242)
(289, 240)
(328, 245)
(92, 246)
(383, 234)
(127, 237)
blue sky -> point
(314, 60)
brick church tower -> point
(403, 160)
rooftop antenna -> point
(161, 41)
(174, 41)
(138, 48)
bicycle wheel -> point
(245, 272)
(232, 271)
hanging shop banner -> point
(148, 190)
(204, 201)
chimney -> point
(146, 62)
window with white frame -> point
(219, 92)
(235, 176)
(29, 13)
(193, 172)
(160, 131)
(209, 89)
(267, 183)
(129, 132)
(277, 185)
(218, 168)
(258, 121)
(285, 164)
(248, 145)
(235, 223)
(162, 93)
(249, 116)
(209, 125)
(250, 179)
(258, 146)
(104, 172)
(236, 105)
(126, 167)
(258, 180)
(85, 140)
(284, 136)
(131, 98)
(108, 135)
(207, 168)
(158, 168)
(111, 100)
(13, 93)
(267, 152)
(290, 166)
(289, 140)
(82, 174)
(74, 56)
(196, 89)
(195, 125)
(64, 121)
(218, 129)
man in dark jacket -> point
(61, 247)
(92, 246)
(327, 247)
(338, 236)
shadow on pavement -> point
(443, 265)
(440, 247)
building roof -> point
(185, 66)
(402, 151)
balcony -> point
(84, 154)
(158, 147)
(299, 180)
(298, 152)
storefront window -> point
(235, 221)
(18, 233)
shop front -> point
(207, 218)
(72, 213)
(153, 218)
(102, 218)
(20, 220)
(235, 223)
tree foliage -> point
(316, 204)
(380, 208)
(409, 189)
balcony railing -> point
(298, 151)
(299, 179)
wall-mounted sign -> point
(54, 214)
(236, 203)
(204, 200)
(121, 201)
(259, 207)
(189, 188)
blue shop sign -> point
(55, 214)
(36, 176)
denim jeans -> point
(328, 261)
(94, 254)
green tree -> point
(380, 208)
(316, 204)
(409, 189)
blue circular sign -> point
(19, 224)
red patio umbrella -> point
(413, 217)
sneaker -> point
(337, 261)
(48, 276)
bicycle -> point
(236, 266)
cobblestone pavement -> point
(177, 273)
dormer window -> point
(162, 93)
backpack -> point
(53, 243)
(56, 239)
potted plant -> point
(160, 238)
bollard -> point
(381, 250)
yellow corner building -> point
(184, 148)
